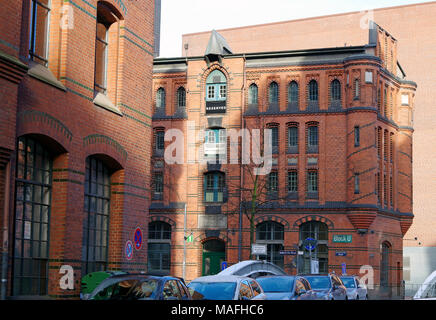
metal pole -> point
(5, 244)
(184, 245)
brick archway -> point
(319, 218)
(277, 219)
(163, 219)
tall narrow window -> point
(272, 234)
(97, 208)
(356, 136)
(379, 142)
(386, 144)
(391, 147)
(216, 92)
(335, 90)
(158, 186)
(293, 138)
(312, 139)
(181, 97)
(312, 184)
(391, 106)
(356, 89)
(33, 186)
(356, 183)
(272, 184)
(292, 181)
(101, 56)
(159, 142)
(159, 247)
(273, 92)
(160, 101)
(252, 94)
(293, 92)
(274, 137)
(391, 191)
(313, 90)
(39, 31)
(378, 187)
(385, 101)
(379, 102)
(385, 190)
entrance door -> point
(213, 255)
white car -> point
(427, 291)
(219, 287)
(355, 289)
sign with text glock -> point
(258, 249)
(342, 238)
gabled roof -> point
(217, 45)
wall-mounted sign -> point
(341, 253)
(310, 243)
(258, 249)
(129, 250)
(215, 106)
(288, 252)
(342, 238)
(138, 238)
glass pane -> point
(41, 30)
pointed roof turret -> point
(217, 45)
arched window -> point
(253, 94)
(273, 92)
(159, 247)
(272, 234)
(33, 187)
(97, 208)
(39, 31)
(181, 97)
(214, 183)
(314, 244)
(293, 92)
(313, 91)
(385, 264)
(216, 92)
(335, 90)
(160, 101)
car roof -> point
(141, 276)
(218, 278)
(278, 276)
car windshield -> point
(144, 290)
(276, 284)
(349, 282)
(319, 282)
(212, 290)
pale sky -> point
(189, 16)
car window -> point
(299, 286)
(183, 290)
(349, 282)
(245, 291)
(171, 291)
(212, 290)
(256, 288)
(144, 290)
(319, 282)
(306, 284)
(117, 291)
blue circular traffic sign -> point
(129, 250)
(138, 238)
(310, 243)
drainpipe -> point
(242, 173)
(5, 244)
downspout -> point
(5, 244)
(241, 168)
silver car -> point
(355, 289)
(225, 288)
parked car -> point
(140, 287)
(327, 286)
(218, 287)
(355, 289)
(286, 288)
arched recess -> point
(39, 212)
(322, 219)
(277, 219)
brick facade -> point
(370, 221)
(61, 116)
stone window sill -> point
(104, 102)
(44, 74)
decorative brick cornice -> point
(11, 68)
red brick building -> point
(340, 119)
(75, 83)
(413, 27)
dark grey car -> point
(286, 288)
(327, 286)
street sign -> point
(129, 250)
(344, 268)
(314, 266)
(223, 265)
(138, 238)
(190, 238)
(258, 249)
(288, 252)
(340, 253)
(300, 253)
(342, 238)
(310, 243)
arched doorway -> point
(214, 253)
(385, 264)
(314, 243)
(272, 234)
